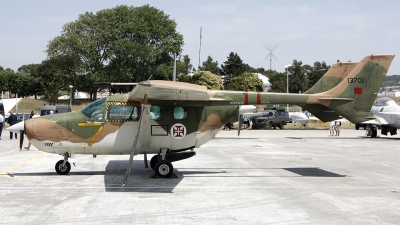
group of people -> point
(12, 119)
(334, 128)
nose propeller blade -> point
(21, 139)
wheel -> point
(153, 161)
(358, 127)
(281, 126)
(63, 170)
(163, 169)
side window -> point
(180, 113)
(123, 112)
(155, 112)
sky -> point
(306, 31)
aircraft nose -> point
(16, 127)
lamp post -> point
(287, 83)
(70, 98)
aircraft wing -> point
(254, 114)
(378, 121)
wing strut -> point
(128, 169)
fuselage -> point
(110, 126)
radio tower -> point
(271, 55)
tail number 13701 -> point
(351, 80)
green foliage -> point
(185, 78)
(247, 82)
(210, 65)
(51, 90)
(393, 80)
(232, 67)
(16, 83)
(208, 79)
(278, 81)
(121, 44)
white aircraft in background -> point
(299, 117)
(387, 115)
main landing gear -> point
(63, 166)
(162, 167)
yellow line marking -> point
(94, 124)
(96, 135)
(5, 172)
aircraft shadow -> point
(312, 172)
(140, 178)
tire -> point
(153, 161)
(281, 126)
(164, 169)
(358, 127)
(63, 170)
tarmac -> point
(260, 177)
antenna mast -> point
(200, 45)
(271, 56)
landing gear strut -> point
(63, 166)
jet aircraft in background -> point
(171, 119)
(387, 116)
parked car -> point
(49, 109)
(271, 119)
(21, 115)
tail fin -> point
(329, 80)
(332, 77)
(355, 95)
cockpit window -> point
(123, 111)
(95, 110)
(385, 101)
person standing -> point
(1, 123)
(337, 128)
(12, 119)
(332, 128)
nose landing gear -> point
(63, 166)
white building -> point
(265, 80)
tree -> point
(51, 90)
(297, 78)
(208, 79)
(232, 67)
(122, 44)
(210, 65)
(278, 81)
(1, 68)
(246, 82)
(188, 66)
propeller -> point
(21, 139)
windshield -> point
(95, 109)
(385, 101)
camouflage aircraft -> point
(170, 119)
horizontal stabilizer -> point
(378, 120)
